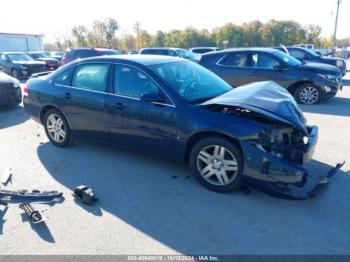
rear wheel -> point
(57, 128)
(217, 164)
(15, 74)
(308, 94)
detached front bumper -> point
(280, 177)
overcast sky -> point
(57, 17)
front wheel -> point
(15, 74)
(217, 164)
(57, 128)
(308, 94)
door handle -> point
(67, 96)
(118, 105)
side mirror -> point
(1, 69)
(152, 97)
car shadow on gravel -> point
(161, 199)
(338, 106)
(12, 115)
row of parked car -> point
(309, 77)
(22, 65)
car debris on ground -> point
(6, 176)
(84, 194)
(31, 196)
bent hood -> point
(266, 98)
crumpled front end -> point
(276, 166)
(273, 156)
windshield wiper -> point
(201, 100)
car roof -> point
(252, 49)
(161, 48)
(12, 53)
(36, 52)
(140, 59)
(204, 47)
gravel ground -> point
(149, 205)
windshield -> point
(311, 52)
(185, 54)
(191, 81)
(287, 58)
(19, 57)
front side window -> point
(298, 54)
(264, 61)
(65, 78)
(131, 82)
(191, 81)
(235, 59)
(91, 77)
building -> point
(21, 42)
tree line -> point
(272, 33)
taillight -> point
(25, 89)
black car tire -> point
(15, 74)
(233, 154)
(56, 115)
(305, 89)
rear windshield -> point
(109, 52)
(84, 53)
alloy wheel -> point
(56, 128)
(217, 165)
(309, 95)
(15, 74)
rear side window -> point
(91, 77)
(235, 59)
(65, 78)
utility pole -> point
(336, 25)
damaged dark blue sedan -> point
(175, 108)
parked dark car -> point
(203, 50)
(199, 51)
(20, 65)
(55, 54)
(51, 63)
(10, 91)
(77, 53)
(177, 52)
(179, 110)
(308, 82)
(308, 55)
